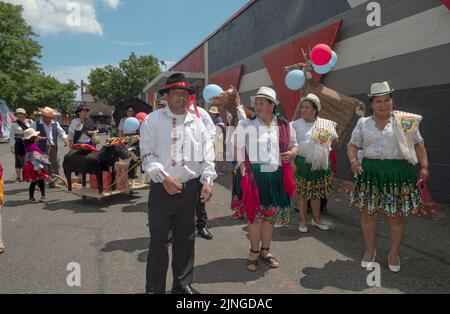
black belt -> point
(186, 184)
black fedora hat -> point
(177, 81)
(81, 108)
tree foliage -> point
(113, 84)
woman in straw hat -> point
(215, 115)
(391, 146)
(34, 170)
(265, 146)
(16, 142)
(314, 174)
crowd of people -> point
(183, 148)
(383, 151)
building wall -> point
(194, 62)
(410, 50)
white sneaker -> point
(365, 264)
(303, 229)
(321, 226)
(394, 268)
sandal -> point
(252, 263)
(269, 260)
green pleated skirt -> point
(312, 184)
(275, 202)
(388, 187)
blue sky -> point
(110, 30)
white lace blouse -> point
(304, 132)
(376, 144)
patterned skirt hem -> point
(314, 189)
(279, 217)
(410, 212)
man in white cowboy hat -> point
(50, 130)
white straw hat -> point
(29, 133)
(380, 89)
(268, 93)
(314, 99)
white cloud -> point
(54, 16)
(75, 73)
(131, 43)
(112, 3)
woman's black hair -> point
(392, 97)
(132, 107)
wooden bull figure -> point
(80, 161)
(230, 100)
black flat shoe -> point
(185, 290)
(204, 233)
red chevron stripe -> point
(290, 54)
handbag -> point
(430, 209)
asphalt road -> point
(110, 241)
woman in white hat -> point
(314, 174)
(215, 115)
(265, 146)
(36, 163)
(391, 146)
(16, 142)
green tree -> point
(114, 84)
(44, 90)
(19, 51)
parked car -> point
(104, 128)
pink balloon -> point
(321, 54)
(141, 116)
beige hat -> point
(49, 112)
(214, 110)
(29, 133)
(20, 110)
(314, 99)
(268, 93)
(380, 89)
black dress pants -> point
(177, 213)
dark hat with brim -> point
(177, 81)
(81, 108)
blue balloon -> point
(131, 125)
(295, 79)
(211, 91)
(324, 69)
(334, 60)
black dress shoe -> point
(204, 233)
(185, 290)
